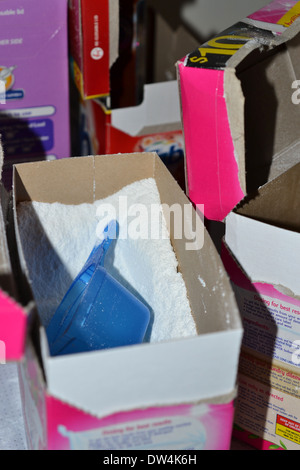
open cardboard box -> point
(178, 391)
(239, 120)
(261, 253)
(152, 126)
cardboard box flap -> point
(114, 380)
(228, 48)
(263, 233)
(86, 179)
(231, 46)
(277, 202)
(159, 111)
(267, 254)
(271, 119)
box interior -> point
(166, 26)
(87, 179)
(145, 118)
(271, 119)
(277, 202)
(263, 233)
(104, 373)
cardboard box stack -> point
(223, 121)
(239, 96)
(154, 395)
(157, 395)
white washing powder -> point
(57, 239)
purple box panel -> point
(34, 80)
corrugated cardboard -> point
(239, 121)
(261, 254)
(149, 385)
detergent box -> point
(94, 44)
(144, 117)
(239, 120)
(34, 105)
(164, 395)
(261, 255)
(105, 42)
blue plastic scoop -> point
(97, 312)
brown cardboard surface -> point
(86, 179)
(113, 31)
(261, 254)
(266, 72)
(277, 202)
(256, 113)
(184, 371)
(179, 42)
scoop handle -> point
(99, 251)
(69, 304)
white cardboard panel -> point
(160, 106)
(266, 253)
(164, 374)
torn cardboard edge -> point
(247, 118)
(219, 335)
(276, 202)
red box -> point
(90, 46)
